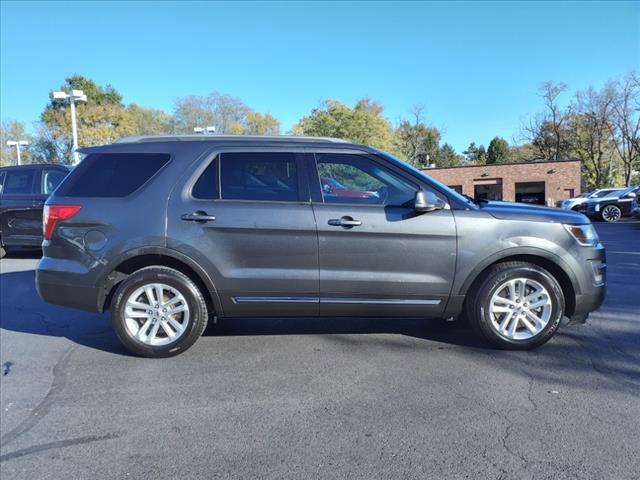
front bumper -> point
(593, 287)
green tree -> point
(226, 113)
(447, 157)
(364, 123)
(150, 121)
(498, 151)
(102, 119)
(471, 153)
(14, 130)
(416, 142)
(482, 155)
(261, 124)
(523, 153)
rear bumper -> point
(59, 285)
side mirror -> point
(426, 201)
(631, 194)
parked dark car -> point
(23, 191)
(168, 232)
(611, 207)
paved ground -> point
(317, 399)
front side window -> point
(259, 176)
(346, 178)
(19, 182)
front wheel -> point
(516, 306)
(158, 312)
(611, 213)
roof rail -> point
(225, 138)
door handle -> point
(198, 216)
(346, 222)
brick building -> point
(543, 183)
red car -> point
(331, 186)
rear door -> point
(246, 217)
(20, 207)
(377, 255)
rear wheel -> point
(516, 306)
(158, 312)
(611, 213)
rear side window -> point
(111, 174)
(51, 179)
(206, 188)
(259, 176)
(20, 182)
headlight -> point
(596, 207)
(585, 235)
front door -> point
(245, 216)
(377, 255)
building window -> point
(457, 188)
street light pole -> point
(17, 144)
(73, 97)
(74, 130)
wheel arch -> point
(551, 263)
(139, 258)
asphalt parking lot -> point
(321, 399)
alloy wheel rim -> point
(611, 213)
(520, 309)
(156, 314)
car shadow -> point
(22, 310)
(605, 349)
(24, 252)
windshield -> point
(607, 193)
(622, 193)
(449, 191)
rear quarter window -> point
(111, 174)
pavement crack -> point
(42, 409)
(57, 444)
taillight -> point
(53, 214)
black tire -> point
(3, 252)
(198, 315)
(610, 213)
(478, 300)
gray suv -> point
(170, 232)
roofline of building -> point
(498, 165)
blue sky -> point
(475, 66)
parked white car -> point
(572, 203)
